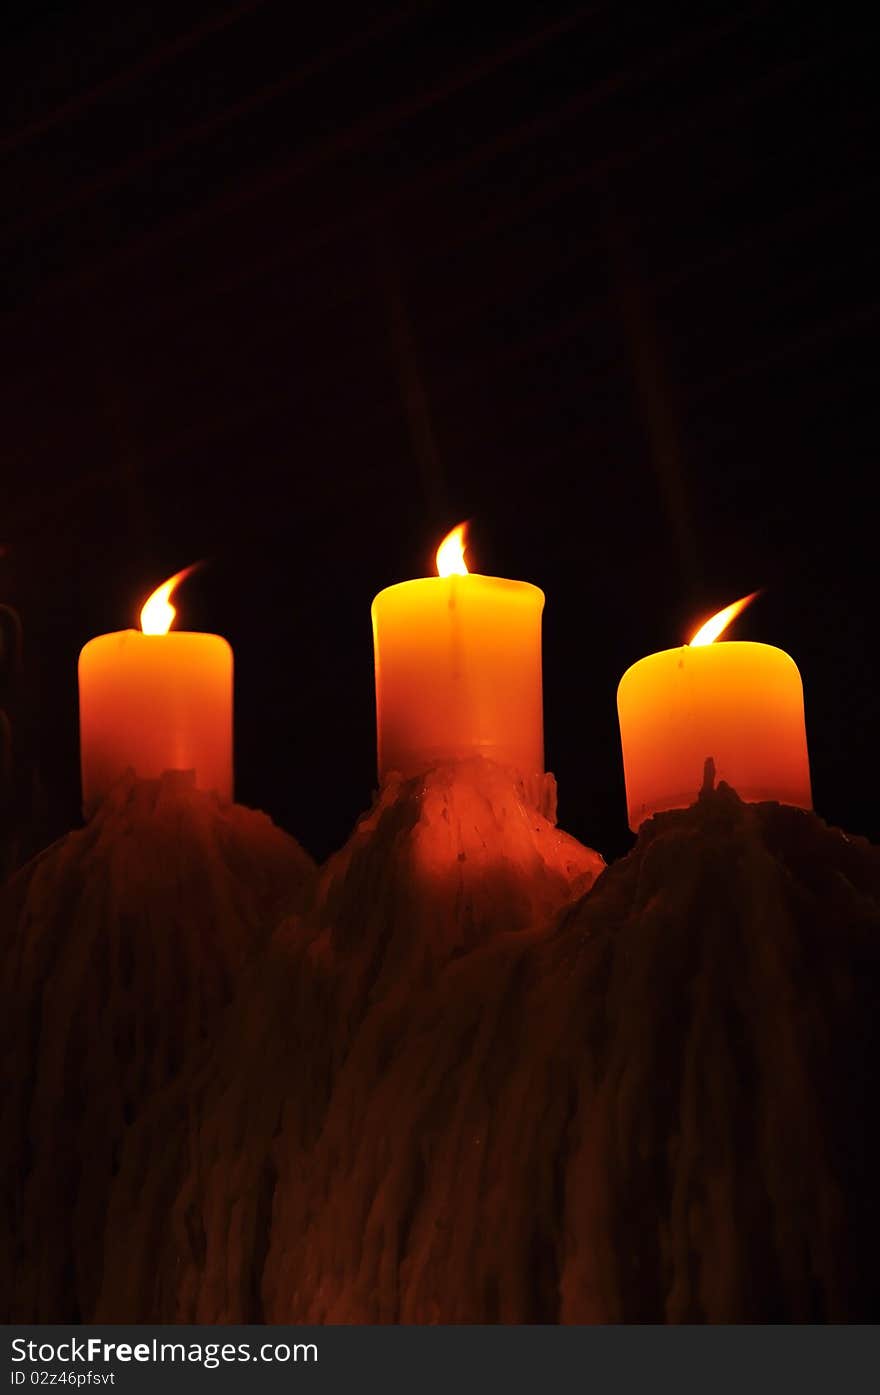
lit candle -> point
(155, 699)
(458, 669)
(742, 704)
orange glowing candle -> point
(458, 669)
(740, 703)
(155, 699)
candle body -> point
(458, 673)
(155, 703)
(740, 703)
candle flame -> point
(708, 633)
(450, 553)
(157, 612)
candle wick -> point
(708, 778)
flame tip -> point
(450, 553)
(717, 624)
(157, 612)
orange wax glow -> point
(458, 669)
(740, 703)
(152, 701)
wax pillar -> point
(458, 673)
(155, 701)
(739, 702)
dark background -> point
(296, 288)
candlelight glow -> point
(450, 554)
(158, 612)
(708, 633)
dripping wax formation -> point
(155, 699)
(740, 703)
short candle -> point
(458, 669)
(740, 703)
(155, 699)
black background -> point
(293, 289)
